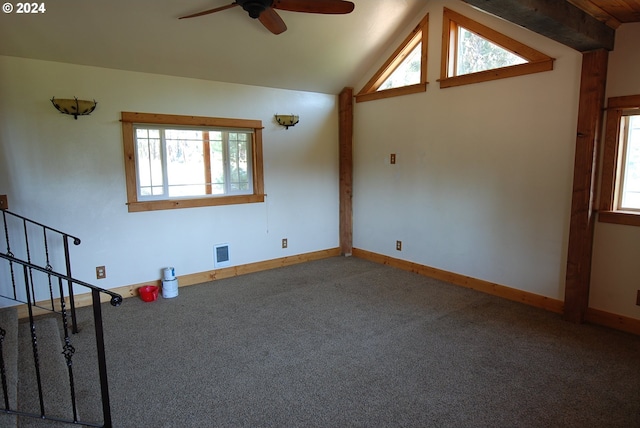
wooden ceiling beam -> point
(558, 20)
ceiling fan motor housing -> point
(264, 10)
(254, 7)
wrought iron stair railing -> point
(30, 241)
(24, 275)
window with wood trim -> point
(187, 161)
(620, 185)
(472, 53)
(405, 72)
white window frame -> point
(625, 131)
(227, 162)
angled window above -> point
(472, 52)
(405, 72)
(475, 53)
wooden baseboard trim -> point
(618, 322)
(127, 291)
(199, 278)
(531, 299)
(593, 316)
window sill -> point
(394, 92)
(497, 73)
(193, 203)
(628, 218)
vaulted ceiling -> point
(321, 53)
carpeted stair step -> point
(9, 323)
(53, 371)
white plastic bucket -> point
(169, 274)
(170, 288)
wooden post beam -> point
(346, 170)
(590, 112)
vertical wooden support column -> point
(590, 110)
(346, 170)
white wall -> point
(483, 180)
(69, 173)
(615, 274)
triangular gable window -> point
(475, 53)
(405, 72)
(472, 52)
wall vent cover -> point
(221, 255)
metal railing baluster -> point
(102, 361)
(67, 259)
(9, 253)
(3, 370)
(34, 342)
(48, 265)
(68, 350)
(31, 301)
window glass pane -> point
(238, 162)
(217, 163)
(149, 157)
(631, 176)
(185, 162)
(475, 53)
(407, 73)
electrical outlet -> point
(638, 298)
(284, 243)
(4, 202)
(392, 158)
(101, 272)
(399, 245)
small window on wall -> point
(620, 187)
(405, 72)
(630, 171)
(472, 52)
(184, 161)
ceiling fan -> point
(264, 10)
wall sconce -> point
(287, 120)
(74, 107)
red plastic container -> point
(148, 293)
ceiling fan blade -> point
(315, 6)
(272, 21)
(207, 12)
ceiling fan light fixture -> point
(255, 7)
(265, 10)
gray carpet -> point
(344, 342)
